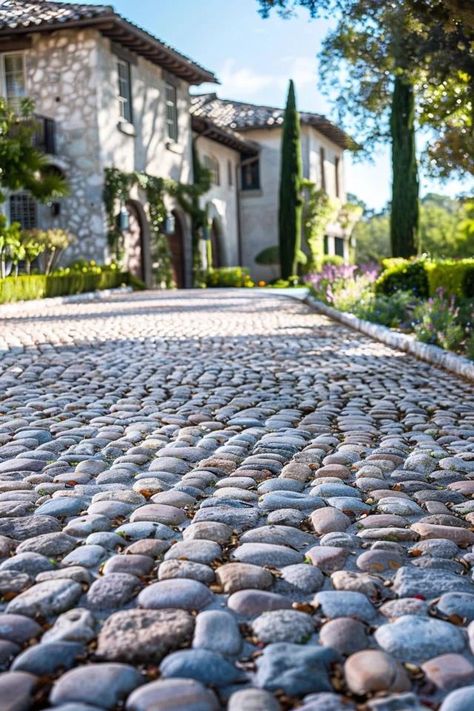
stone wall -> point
(72, 78)
(62, 80)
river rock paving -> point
(223, 500)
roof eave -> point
(204, 126)
(130, 36)
(341, 139)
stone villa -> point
(109, 94)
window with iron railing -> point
(44, 138)
(23, 209)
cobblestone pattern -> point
(216, 500)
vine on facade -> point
(118, 185)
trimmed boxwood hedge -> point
(38, 286)
(423, 277)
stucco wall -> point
(62, 79)
(147, 151)
(222, 199)
(259, 208)
(312, 141)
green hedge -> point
(403, 275)
(453, 276)
(423, 277)
(228, 276)
(38, 286)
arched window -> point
(212, 164)
(23, 209)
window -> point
(212, 164)
(230, 173)
(251, 174)
(339, 246)
(326, 244)
(336, 171)
(14, 86)
(23, 210)
(125, 90)
(322, 158)
(171, 111)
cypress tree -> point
(291, 174)
(404, 213)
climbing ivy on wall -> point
(319, 211)
(117, 187)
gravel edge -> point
(404, 342)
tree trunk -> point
(404, 212)
(289, 213)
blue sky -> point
(254, 59)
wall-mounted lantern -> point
(169, 224)
(55, 208)
(123, 219)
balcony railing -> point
(44, 137)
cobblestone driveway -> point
(213, 500)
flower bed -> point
(399, 297)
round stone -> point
(178, 694)
(370, 671)
(143, 635)
(415, 639)
(178, 593)
(283, 626)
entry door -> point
(176, 244)
(133, 244)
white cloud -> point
(243, 82)
(248, 84)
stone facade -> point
(72, 77)
(62, 79)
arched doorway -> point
(133, 243)
(215, 243)
(176, 245)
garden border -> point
(403, 342)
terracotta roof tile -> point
(240, 116)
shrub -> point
(62, 283)
(437, 322)
(393, 311)
(455, 277)
(423, 277)
(268, 257)
(228, 277)
(403, 275)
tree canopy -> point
(428, 41)
(22, 165)
(446, 229)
